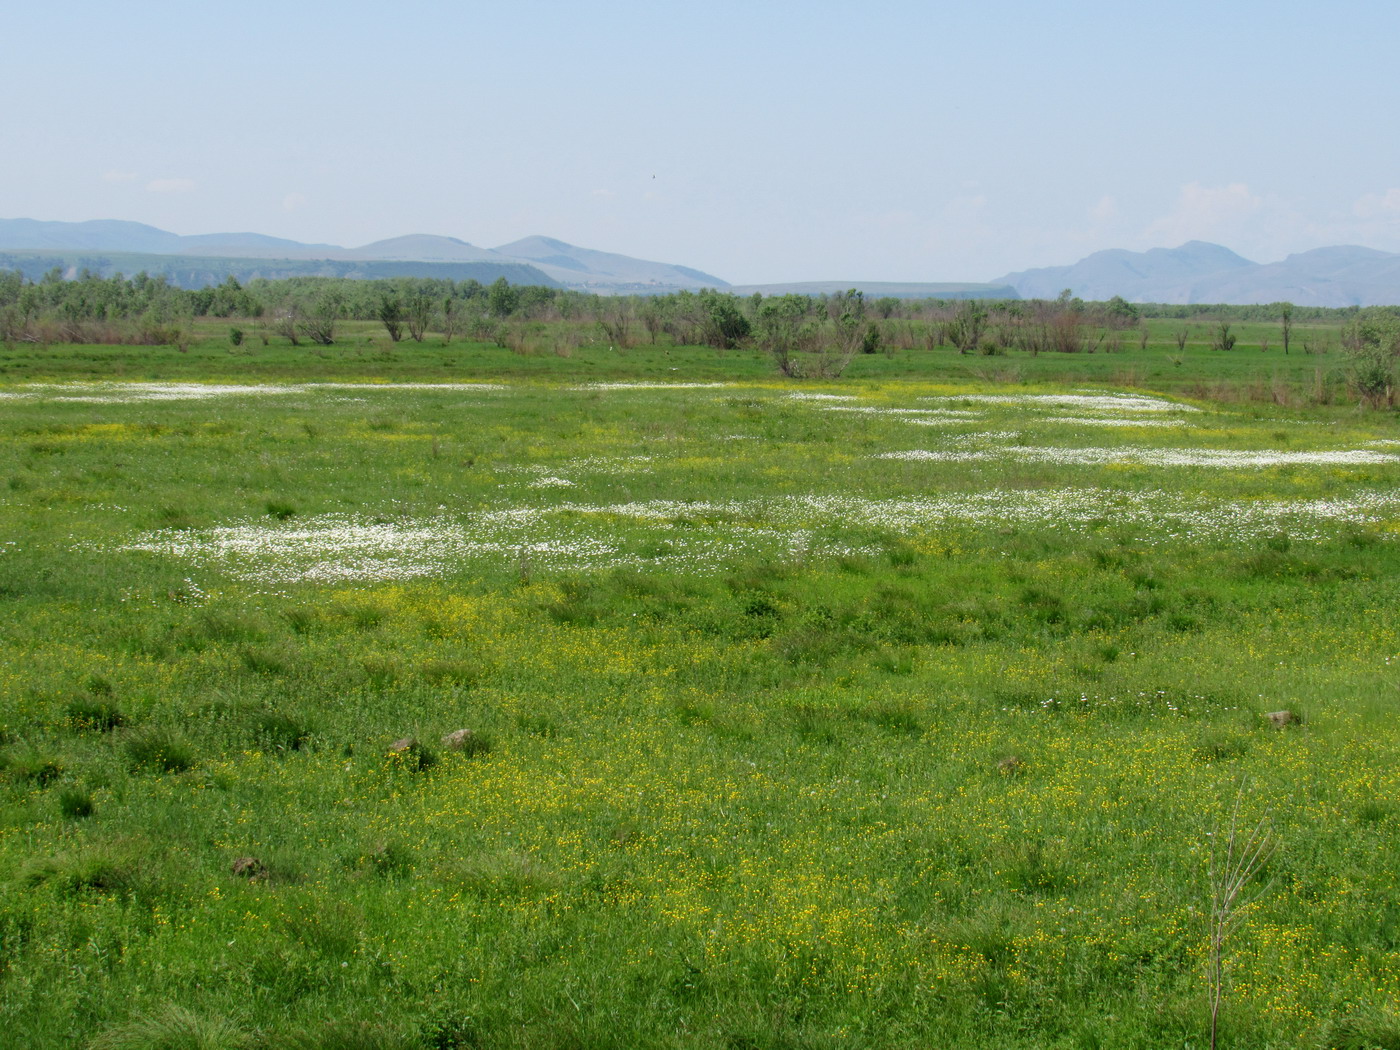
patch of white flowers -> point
(116, 393)
(1154, 457)
(680, 535)
(1090, 402)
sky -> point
(758, 142)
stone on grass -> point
(249, 868)
(468, 742)
(409, 752)
(458, 739)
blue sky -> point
(757, 141)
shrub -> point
(1372, 343)
(1373, 378)
(1224, 339)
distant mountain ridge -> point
(1200, 272)
(885, 289)
(1195, 272)
(563, 264)
(194, 271)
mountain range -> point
(1199, 272)
(1195, 272)
(540, 260)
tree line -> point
(806, 335)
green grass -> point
(776, 741)
(1314, 369)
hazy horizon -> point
(763, 144)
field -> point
(899, 710)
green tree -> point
(723, 324)
(501, 298)
(1121, 313)
(784, 332)
(11, 284)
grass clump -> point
(31, 767)
(1220, 745)
(1378, 1031)
(361, 1035)
(106, 870)
(173, 1027)
(94, 714)
(155, 749)
(75, 803)
(279, 730)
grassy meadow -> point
(900, 710)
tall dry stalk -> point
(1236, 857)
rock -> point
(249, 868)
(468, 742)
(410, 753)
(1011, 765)
(458, 739)
(1279, 719)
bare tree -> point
(418, 314)
(615, 319)
(1224, 338)
(1067, 331)
(391, 316)
(319, 323)
(287, 323)
(653, 318)
(450, 320)
(851, 331)
(965, 330)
